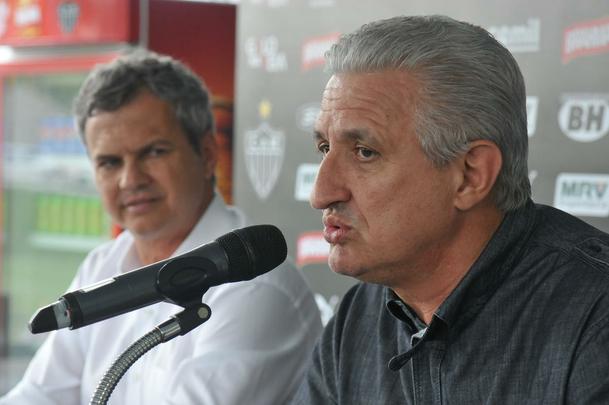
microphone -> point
(236, 256)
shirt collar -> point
(403, 312)
(483, 278)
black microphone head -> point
(253, 250)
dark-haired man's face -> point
(151, 180)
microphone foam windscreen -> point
(254, 250)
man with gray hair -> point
(148, 128)
(470, 293)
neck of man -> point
(434, 283)
(152, 251)
(163, 243)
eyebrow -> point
(140, 151)
(100, 158)
(148, 147)
(317, 136)
(351, 134)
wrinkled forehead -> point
(382, 98)
(392, 87)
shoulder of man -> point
(558, 230)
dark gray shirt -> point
(528, 324)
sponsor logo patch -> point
(311, 247)
(532, 104)
(584, 117)
(327, 307)
(519, 38)
(582, 194)
(306, 115)
(313, 50)
(305, 180)
(585, 38)
(264, 53)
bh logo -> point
(584, 118)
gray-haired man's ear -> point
(479, 168)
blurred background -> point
(263, 62)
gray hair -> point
(471, 89)
(111, 86)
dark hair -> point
(112, 85)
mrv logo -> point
(585, 117)
(582, 194)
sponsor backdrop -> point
(562, 48)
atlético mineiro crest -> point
(264, 151)
(68, 13)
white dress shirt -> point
(253, 349)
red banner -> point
(58, 22)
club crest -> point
(68, 13)
(264, 151)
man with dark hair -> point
(470, 293)
(148, 128)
